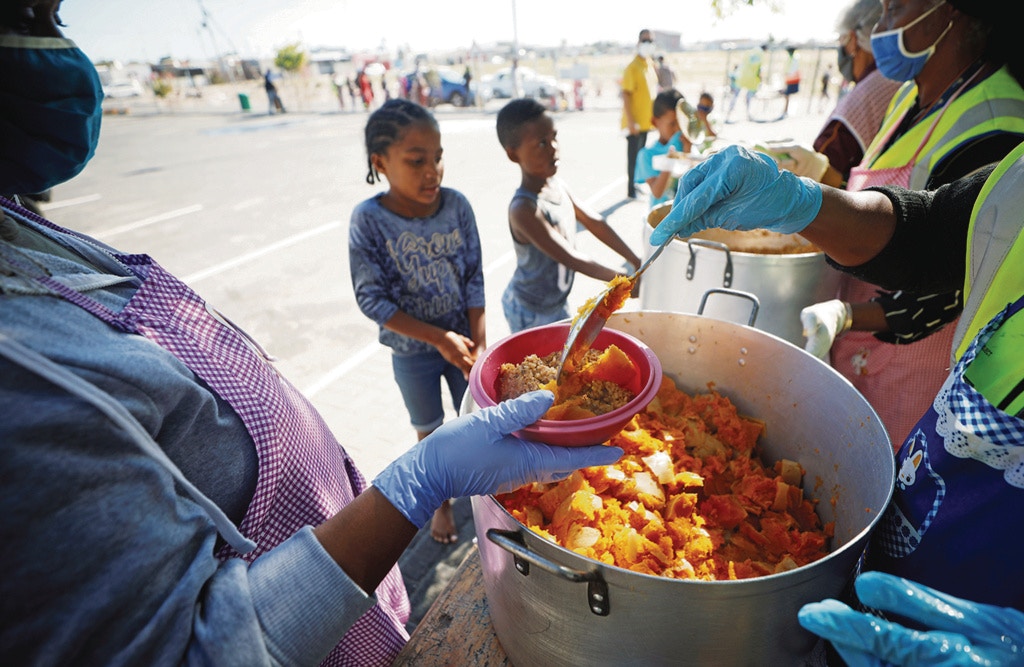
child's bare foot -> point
(442, 526)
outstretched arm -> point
(851, 227)
(529, 226)
(473, 455)
(453, 346)
(598, 226)
(896, 238)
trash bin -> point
(243, 99)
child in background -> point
(694, 123)
(671, 141)
(417, 269)
(792, 77)
(542, 218)
(705, 105)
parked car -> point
(452, 88)
(531, 84)
(127, 88)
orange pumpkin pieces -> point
(689, 498)
(614, 366)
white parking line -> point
(265, 250)
(606, 189)
(342, 369)
(177, 213)
(353, 362)
(49, 206)
(247, 203)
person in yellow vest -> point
(956, 521)
(748, 79)
(962, 107)
(639, 86)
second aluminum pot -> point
(784, 283)
(552, 606)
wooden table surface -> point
(457, 629)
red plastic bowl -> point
(483, 382)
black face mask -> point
(846, 65)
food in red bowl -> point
(636, 369)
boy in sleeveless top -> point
(542, 219)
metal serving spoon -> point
(592, 317)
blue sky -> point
(149, 29)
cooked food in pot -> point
(759, 241)
(689, 499)
(756, 241)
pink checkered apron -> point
(305, 476)
(899, 381)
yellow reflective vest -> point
(995, 250)
(995, 104)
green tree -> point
(161, 88)
(290, 58)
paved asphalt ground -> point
(252, 211)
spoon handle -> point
(587, 324)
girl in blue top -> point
(671, 140)
(416, 264)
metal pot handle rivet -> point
(512, 542)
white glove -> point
(800, 160)
(822, 323)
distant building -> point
(117, 72)
(667, 41)
(327, 60)
(173, 69)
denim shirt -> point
(428, 268)
(106, 558)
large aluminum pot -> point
(784, 282)
(551, 606)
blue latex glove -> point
(739, 189)
(475, 455)
(962, 632)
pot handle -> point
(512, 542)
(755, 303)
(714, 245)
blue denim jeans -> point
(419, 379)
(520, 317)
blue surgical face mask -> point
(50, 112)
(891, 56)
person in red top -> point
(792, 77)
(365, 89)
